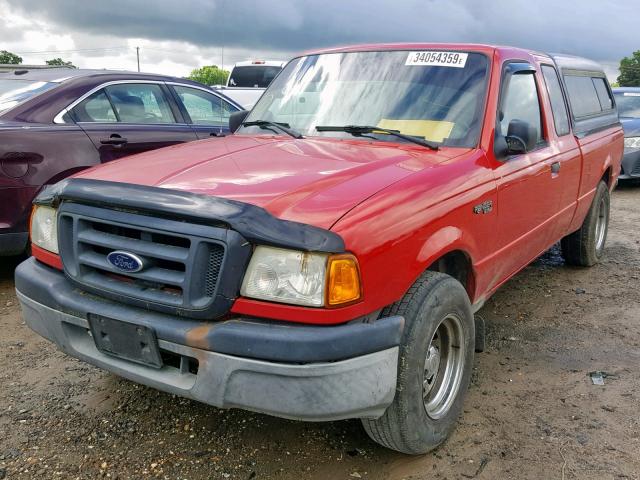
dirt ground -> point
(532, 411)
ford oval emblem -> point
(125, 261)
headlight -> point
(300, 278)
(632, 142)
(44, 228)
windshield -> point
(628, 103)
(436, 96)
(13, 92)
(255, 76)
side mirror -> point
(522, 136)
(515, 145)
(236, 119)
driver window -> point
(140, 103)
(520, 102)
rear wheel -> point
(585, 246)
(434, 366)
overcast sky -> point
(176, 36)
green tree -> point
(9, 58)
(58, 62)
(209, 75)
(630, 71)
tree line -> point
(213, 75)
(209, 75)
(630, 71)
(8, 58)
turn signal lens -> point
(343, 284)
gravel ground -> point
(531, 412)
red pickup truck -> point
(326, 260)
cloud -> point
(199, 28)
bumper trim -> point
(360, 387)
(630, 164)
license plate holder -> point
(135, 343)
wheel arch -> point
(446, 252)
(607, 177)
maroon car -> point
(56, 122)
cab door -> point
(123, 119)
(569, 157)
(527, 175)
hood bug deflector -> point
(254, 223)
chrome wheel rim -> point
(601, 224)
(443, 367)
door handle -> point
(115, 140)
(555, 168)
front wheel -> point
(585, 247)
(434, 366)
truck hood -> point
(313, 180)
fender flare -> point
(608, 164)
(446, 240)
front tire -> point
(585, 246)
(434, 366)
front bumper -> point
(15, 206)
(630, 165)
(13, 243)
(290, 371)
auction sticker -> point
(437, 59)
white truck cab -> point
(249, 79)
(254, 73)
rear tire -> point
(434, 366)
(585, 246)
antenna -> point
(220, 98)
(221, 116)
(138, 57)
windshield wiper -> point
(358, 130)
(283, 127)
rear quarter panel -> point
(601, 151)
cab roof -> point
(571, 62)
(568, 62)
(372, 47)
